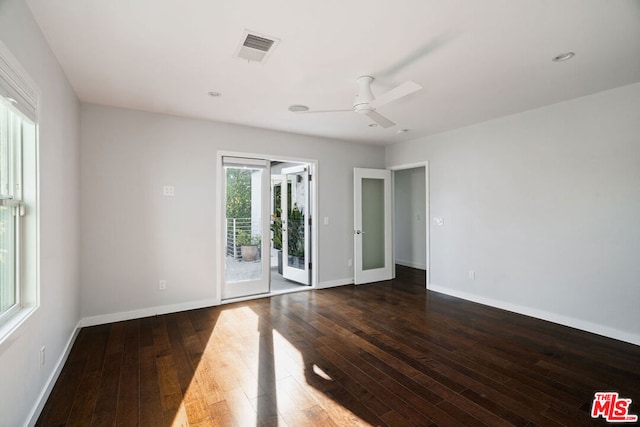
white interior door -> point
(296, 211)
(247, 186)
(373, 237)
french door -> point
(372, 226)
(295, 211)
(247, 217)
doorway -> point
(291, 209)
(267, 232)
(411, 217)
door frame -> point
(427, 214)
(219, 229)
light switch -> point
(168, 190)
(438, 221)
(326, 220)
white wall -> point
(545, 207)
(132, 236)
(409, 217)
(53, 324)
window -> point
(18, 195)
(10, 206)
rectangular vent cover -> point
(257, 42)
(255, 47)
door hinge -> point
(309, 220)
(309, 266)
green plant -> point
(296, 229)
(238, 203)
(276, 218)
(276, 227)
(244, 238)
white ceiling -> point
(476, 59)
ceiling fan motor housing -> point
(364, 95)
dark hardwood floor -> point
(388, 353)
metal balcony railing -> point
(237, 227)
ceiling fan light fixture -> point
(564, 57)
(298, 108)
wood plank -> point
(128, 412)
(151, 411)
(104, 412)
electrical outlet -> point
(472, 275)
(42, 355)
(326, 220)
(349, 262)
(162, 284)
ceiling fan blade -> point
(397, 92)
(380, 119)
(420, 53)
(323, 111)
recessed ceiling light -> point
(402, 130)
(564, 57)
(298, 108)
(214, 94)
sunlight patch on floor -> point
(251, 374)
(322, 374)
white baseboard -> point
(334, 283)
(583, 325)
(146, 312)
(411, 264)
(46, 391)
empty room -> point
(293, 213)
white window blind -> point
(15, 87)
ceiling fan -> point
(365, 103)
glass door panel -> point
(373, 223)
(247, 186)
(295, 224)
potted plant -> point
(248, 245)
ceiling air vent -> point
(256, 42)
(255, 47)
